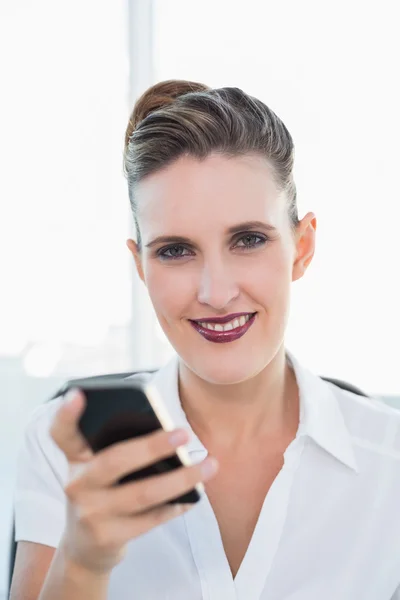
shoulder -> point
(371, 423)
(367, 423)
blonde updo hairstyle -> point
(175, 118)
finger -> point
(64, 429)
(124, 529)
(141, 496)
(122, 458)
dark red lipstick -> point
(236, 332)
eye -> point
(250, 240)
(173, 252)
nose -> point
(218, 285)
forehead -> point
(218, 189)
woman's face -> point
(217, 242)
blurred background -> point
(71, 304)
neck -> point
(233, 416)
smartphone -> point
(122, 409)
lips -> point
(224, 329)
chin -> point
(228, 372)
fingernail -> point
(178, 437)
(209, 466)
(71, 395)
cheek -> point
(268, 280)
(169, 290)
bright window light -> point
(333, 86)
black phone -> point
(122, 409)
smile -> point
(226, 329)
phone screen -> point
(118, 410)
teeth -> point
(234, 324)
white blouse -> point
(329, 527)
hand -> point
(101, 517)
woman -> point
(302, 478)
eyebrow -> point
(245, 226)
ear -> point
(133, 247)
(305, 245)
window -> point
(327, 71)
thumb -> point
(64, 429)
